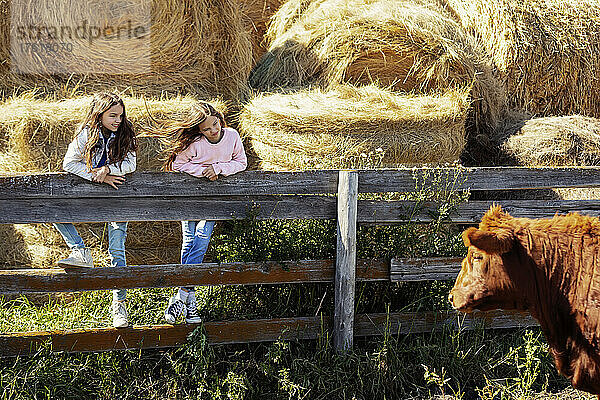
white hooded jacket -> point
(74, 161)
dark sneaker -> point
(175, 310)
(191, 316)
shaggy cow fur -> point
(550, 267)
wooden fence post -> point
(345, 264)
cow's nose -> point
(450, 298)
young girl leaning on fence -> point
(102, 151)
(202, 146)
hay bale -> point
(13, 253)
(40, 245)
(193, 46)
(37, 132)
(556, 141)
(546, 51)
(406, 46)
(345, 127)
(287, 14)
(257, 14)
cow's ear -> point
(498, 241)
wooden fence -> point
(153, 196)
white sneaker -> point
(191, 316)
(78, 258)
(119, 314)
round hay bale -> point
(193, 46)
(257, 14)
(154, 255)
(12, 164)
(546, 51)
(38, 132)
(354, 127)
(557, 141)
(287, 14)
(13, 252)
(406, 46)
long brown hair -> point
(178, 135)
(124, 141)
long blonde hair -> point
(178, 135)
(124, 141)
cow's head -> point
(485, 281)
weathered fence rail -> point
(284, 207)
(267, 195)
(266, 330)
(173, 275)
(307, 182)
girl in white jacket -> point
(103, 150)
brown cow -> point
(550, 267)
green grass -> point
(467, 365)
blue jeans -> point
(196, 235)
(117, 233)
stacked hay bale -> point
(37, 133)
(355, 127)
(402, 47)
(403, 44)
(557, 141)
(198, 46)
(546, 51)
(406, 46)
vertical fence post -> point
(345, 263)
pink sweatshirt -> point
(227, 156)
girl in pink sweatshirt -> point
(202, 146)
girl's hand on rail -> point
(209, 172)
(98, 174)
(114, 180)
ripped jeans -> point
(196, 236)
